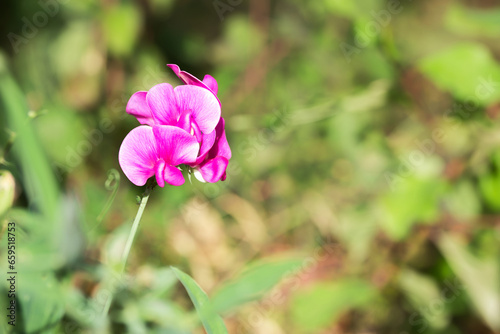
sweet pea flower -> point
(213, 159)
(175, 123)
(157, 150)
(190, 107)
(212, 166)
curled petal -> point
(163, 104)
(208, 81)
(175, 146)
(213, 170)
(184, 121)
(207, 142)
(211, 83)
(204, 106)
(195, 131)
(186, 77)
(221, 146)
(160, 167)
(138, 155)
(173, 176)
(138, 107)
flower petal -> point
(206, 144)
(138, 155)
(160, 167)
(186, 77)
(221, 146)
(197, 175)
(184, 121)
(173, 176)
(138, 107)
(204, 106)
(175, 145)
(211, 83)
(213, 170)
(208, 81)
(163, 104)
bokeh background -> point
(363, 192)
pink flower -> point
(181, 125)
(165, 105)
(212, 167)
(213, 159)
(157, 150)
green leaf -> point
(463, 201)
(38, 178)
(252, 284)
(321, 305)
(41, 300)
(479, 276)
(212, 322)
(348, 9)
(472, 22)
(468, 71)
(490, 185)
(414, 200)
(422, 292)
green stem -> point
(130, 241)
(135, 227)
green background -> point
(363, 195)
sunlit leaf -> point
(490, 186)
(423, 293)
(320, 305)
(212, 322)
(413, 200)
(473, 22)
(462, 201)
(41, 300)
(252, 284)
(451, 70)
(38, 179)
(479, 276)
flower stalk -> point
(135, 227)
(130, 240)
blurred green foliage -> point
(363, 192)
